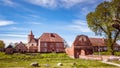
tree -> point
(2, 44)
(100, 21)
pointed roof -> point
(31, 33)
(10, 46)
(98, 41)
(20, 44)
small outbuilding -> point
(21, 48)
(9, 49)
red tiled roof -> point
(20, 44)
(33, 41)
(50, 37)
(97, 41)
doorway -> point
(82, 52)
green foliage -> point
(2, 44)
(100, 21)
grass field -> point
(24, 60)
(106, 53)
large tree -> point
(2, 44)
(100, 21)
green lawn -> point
(24, 61)
(106, 53)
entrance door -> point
(82, 52)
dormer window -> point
(80, 39)
(52, 35)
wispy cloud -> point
(36, 23)
(58, 3)
(71, 3)
(79, 25)
(8, 3)
(6, 22)
(14, 35)
(44, 3)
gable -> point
(82, 40)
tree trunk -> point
(112, 50)
(110, 45)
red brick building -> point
(86, 46)
(81, 46)
(51, 42)
(47, 42)
(20, 47)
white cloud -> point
(5, 22)
(44, 3)
(108, 0)
(36, 23)
(58, 3)
(18, 28)
(85, 10)
(79, 25)
(71, 3)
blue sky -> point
(64, 17)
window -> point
(116, 48)
(84, 39)
(80, 39)
(45, 50)
(45, 44)
(105, 48)
(32, 44)
(57, 50)
(57, 44)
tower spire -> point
(30, 36)
(31, 33)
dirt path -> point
(111, 63)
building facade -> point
(47, 42)
(81, 46)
